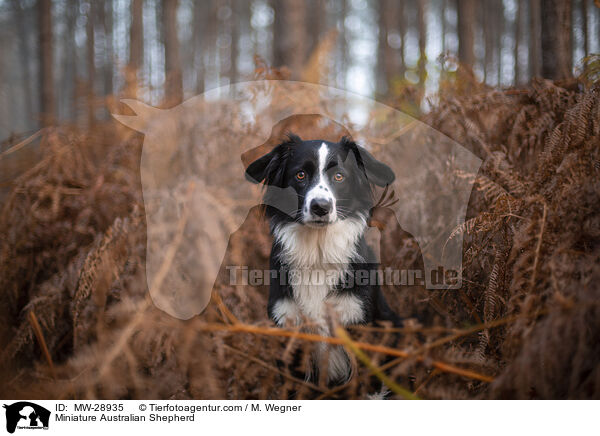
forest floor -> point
(76, 320)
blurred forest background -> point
(60, 60)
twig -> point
(40, 337)
(23, 143)
(405, 330)
(277, 370)
(396, 388)
(270, 331)
(427, 380)
(460, 333)
(538, 247)
(468, 331)
(332, 391)
(227, 314)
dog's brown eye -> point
(300, 175)
(338, 177)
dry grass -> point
(76, 320)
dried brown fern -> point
(72, 251)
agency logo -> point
(26, 415)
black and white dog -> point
(318, 199)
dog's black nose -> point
(320, 206)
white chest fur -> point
(317, 258)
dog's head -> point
(331, 181)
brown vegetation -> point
(77, 322)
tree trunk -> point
(444, 27)
(24, 58)
(535, 36)
(211, 68)
(402, 32)
(596, 13)
(384, 51)
(295, 14)
(422, 63)
(91, 66)
(198, 43)
(289, 35)
(499, 8)
(235, 36)
(70, 69)
(173, 77)
(342, 53)
(107, 21)
(557, 50)
(390, 52)
(488, 20)
(136, 35)
(466, 22)
(136, 48)
(316, 23)
(584, 30)
(46, 72)
(518, 32)
(279, 31)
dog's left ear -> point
(377, 172)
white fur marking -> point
(321, 189)
(323, 151)
(338, 364)
(316, 254)
(286, 310)
(381, 395)
(348, 308)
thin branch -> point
(23, 143)
(277, 370)
(270, 331)
(40, 337)
(377, 372)
(538, 247)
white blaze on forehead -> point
(323, 151)
(321, 188)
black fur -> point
(284, 198)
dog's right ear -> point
(268, 167)
(271, 167)
(256, 171)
